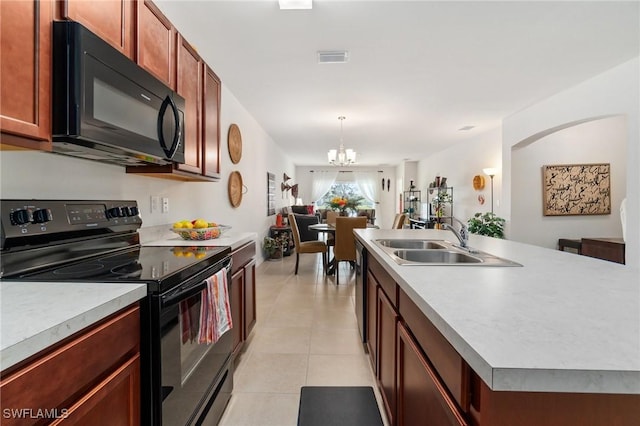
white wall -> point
(615, 92)
(384, 211)
(459, 164)
(39, 175)
(599, 141)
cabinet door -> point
(25, 72)
(211, 124)
(189, 82)
(116, 398)
(236, 295)
(111, 20)
(249, 319)
(387, 319)
(371, 320)
(419, 391)
(155, 43)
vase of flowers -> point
(344, 204)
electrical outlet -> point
(155, 203)
(165, 205)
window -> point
(345, 190)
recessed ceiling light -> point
(294, 4)
(465, 128)
(333, 57)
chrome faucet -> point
(462, 235)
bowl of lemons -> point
(199, 229)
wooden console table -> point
(611, 249)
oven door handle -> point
(188, 290)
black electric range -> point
(185, 381)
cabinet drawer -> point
(384, 280)
(242, 256)
(58, 378)
(450, 366)
(421, 395)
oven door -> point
(192, 373)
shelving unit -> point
(412, 200)
(440, 202)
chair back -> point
(294, 229)
(399, 220)
(345, 248)
(331, 217)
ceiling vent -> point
(333, 57)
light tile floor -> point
(306, 335)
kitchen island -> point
(560, 324)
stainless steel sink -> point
(413, 244)
(436, 256)
(437, 253)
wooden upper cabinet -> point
(189, 86)
(25, 73)
(156, 43)
(111, 20)
(211, 124)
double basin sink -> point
(438, 252)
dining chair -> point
(345, 248)
(331, 217)
(398, 222)
(306, 246)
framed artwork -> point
(576, 189)
(271, 194)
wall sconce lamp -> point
(491, 172)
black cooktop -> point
(161, 267)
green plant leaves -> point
(487, 224)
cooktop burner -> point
(162, 266)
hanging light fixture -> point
(341, 156)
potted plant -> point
(487, 224)
(274, 246)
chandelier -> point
(341, 156)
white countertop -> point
(560, 323)
(35, 315)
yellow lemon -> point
(187, 225)
(201, 223)
(177, 225)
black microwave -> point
(107, 108)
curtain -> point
(322, 182)
(368, 184)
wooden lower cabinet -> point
(236, 295)
(250, 316)
(421, 396)
(243, 294)
(92, 377)
(371, 320)
(387, 319)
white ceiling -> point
(418, 70)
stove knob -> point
(42, 216)
(22, 216)
(134, 211)
(113, 212)
(125, 211)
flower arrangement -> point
(343, 203)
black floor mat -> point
(338, 406)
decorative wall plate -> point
(478, 182)
(235, 188)
(234, 140)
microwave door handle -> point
(169, 152)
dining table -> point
(330, 228)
